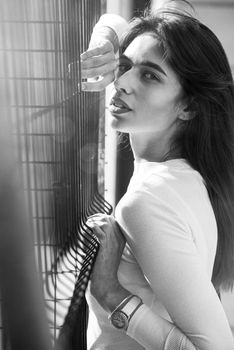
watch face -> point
(119, 319)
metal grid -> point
(59, 132)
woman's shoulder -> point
(172, 189)
(172, 198)
(154, 198)
(174, 178)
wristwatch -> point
(121, 316)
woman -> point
(169, 248)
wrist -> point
(114, 298)
(123, 313)
(106, 33)
(117, 23)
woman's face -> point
(147, 92)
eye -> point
(148, 75)
(123, 67)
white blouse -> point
(171, 235)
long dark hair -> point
(197, 57)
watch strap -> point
(132, 306)
(126, 309)
(122, 304)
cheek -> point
(157, 107)
(160, 114)
(161, 101)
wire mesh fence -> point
(58, 137)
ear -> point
(188, 109)
(186, 114)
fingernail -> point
(83, 57)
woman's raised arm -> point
(99, 62)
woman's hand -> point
(98, 65)
(104, 284)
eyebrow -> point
(146, 63)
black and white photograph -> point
(116, 175)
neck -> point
(153, 149)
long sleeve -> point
(110, 27)
(146, 328)
(163, 245)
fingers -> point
(98, 70)
(106, 225)
(102, 48)
(99, 228)
(101, 222)
(97, 61)
(99, 84)
(99, 64)
(97, 219)
(100, 234)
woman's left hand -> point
(98, 65)
(104, 281)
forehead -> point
(145, 47)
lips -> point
(118, 106)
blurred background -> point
(60, 161)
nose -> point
(125, 82)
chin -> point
(124, 125)
(117, 124)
